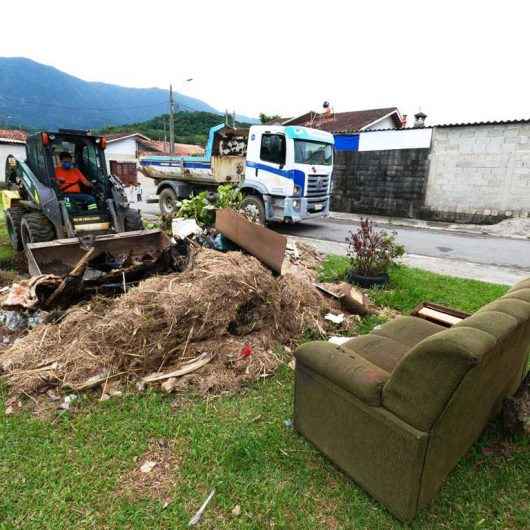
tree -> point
(264, 118)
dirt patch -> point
(220, 305)
(154, 475)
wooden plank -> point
(262, 243)
(439, 314)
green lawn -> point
(68, 473)
(7, 253)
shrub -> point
(371, 252)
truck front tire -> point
(168, 202)
(255, 206)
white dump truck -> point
(284, 172)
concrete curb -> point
(398, 222)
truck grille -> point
(317, 185)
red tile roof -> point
(12, 134)
(345, 121)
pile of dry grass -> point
(222, 302)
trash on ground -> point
(198, 515)
(264, 244)
(195, 322)
(336, 319)
(339, 340)
(182, 228)
(246, 351)
(147, 466)
(236, 510)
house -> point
(12, 142)
(353, 121)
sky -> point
(457, 61)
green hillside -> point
(190, 127)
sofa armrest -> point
(350, 371)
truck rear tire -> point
(133, 220)
(35, 228)
(168, 202)
(255, 205)
(13, 219)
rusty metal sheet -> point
(262, 243)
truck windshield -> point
(317, 153)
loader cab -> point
(87, 153)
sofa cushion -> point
(381, 351)
(408, 330)
(523, 284)
(426, 377)
(346, 369)
(388, 343)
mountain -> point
(190, 127)
(42, 97)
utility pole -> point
(165, 135)
(171, 124)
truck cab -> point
(290, 167)
(284, 172)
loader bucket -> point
(62, 255)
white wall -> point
(397, 139)
(480, 170)
(386, 123)
(19, 150)
(121, 149)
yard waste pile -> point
(225, 313)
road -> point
(487, 250)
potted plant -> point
(371, 252)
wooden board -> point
(262, 243)
(439, 314)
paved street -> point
(503, 252)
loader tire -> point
(256, 208)
(168, 202)
(13, 219)
(133, 220)
(35, 228)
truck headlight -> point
(297, 190)
(296, 205)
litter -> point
(339, 340)
(336, 319)
(236, 510)
(246, 351)
(264, 244)
(68, 400)
(148, 335)
(198, 515)
(182, 228)
(148, 466)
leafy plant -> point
(229, 196)
(371, 252)
(197, 207)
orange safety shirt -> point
(69, 179)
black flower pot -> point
(367, 281)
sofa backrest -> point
(494, 342)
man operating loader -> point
(69, 177)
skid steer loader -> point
(55, 228)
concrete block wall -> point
(479, 173)
(386, 182)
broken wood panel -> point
(262, 243)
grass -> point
(67, 474)
(7, 254)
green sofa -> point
(396, 409)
